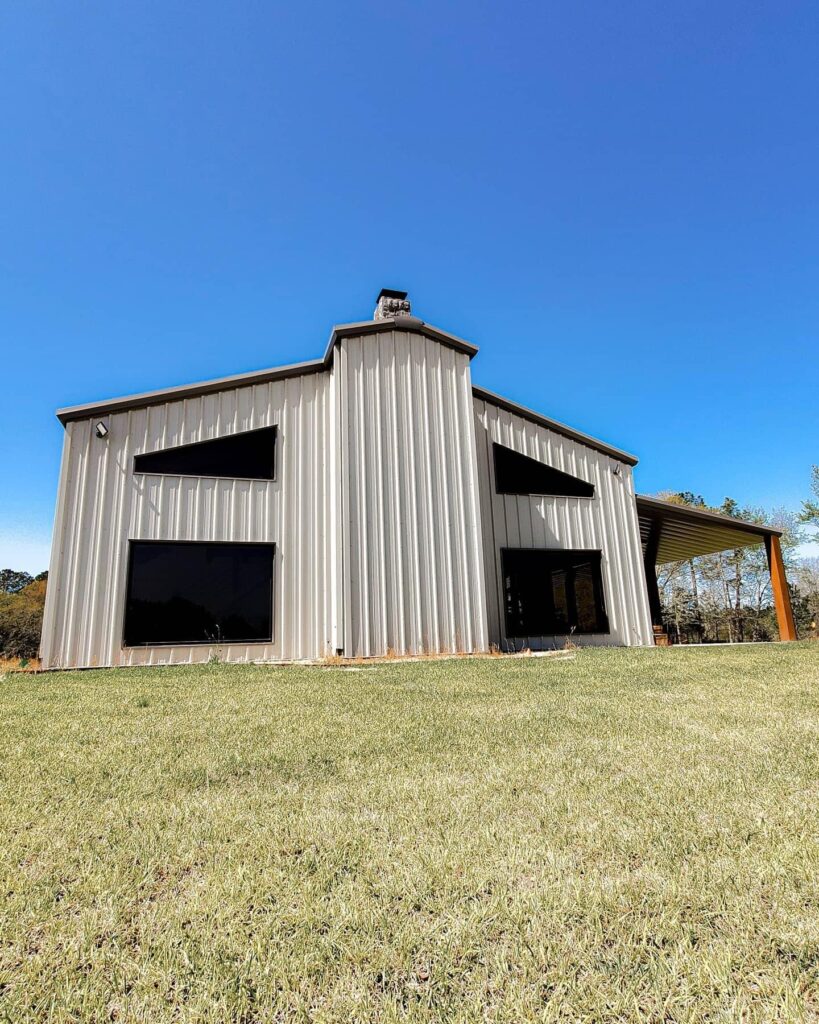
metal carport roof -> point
(687, 531)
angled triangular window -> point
(249, 455)
(520, 474)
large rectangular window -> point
(552, 593)
(195, 593)
(250, 454)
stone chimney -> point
(391, 304)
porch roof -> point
(686, 531)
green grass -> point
(625, 836)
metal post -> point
(779, 585)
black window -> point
(550, 593)
(191, 593)
(519, 474)
(250, 454)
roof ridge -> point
(181, 391)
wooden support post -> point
(779, 585)
(650, 562)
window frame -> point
(595, 555)
(498, 446)
(214, 476)
(198, 643)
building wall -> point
(412, 549)
(608, 522)
(102, 505)
(386, 525)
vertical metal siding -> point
(384, 479)
(103, 504)
(412, 547)
(608, 523)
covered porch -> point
(676, 533)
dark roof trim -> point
(404, 323)
(658, 508)
(554, 425)
(400, 323)
(81, 412)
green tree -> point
(810, 508)
(12, 581)
(21, 620)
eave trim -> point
(559, 428)
(410, 324)
(402, 323)
(659, 508)
(146, 398)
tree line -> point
(727, 596)
(22, 599)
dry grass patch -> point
(19, 665)
(622, 836)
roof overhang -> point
(558, 428)
(398, 323)
(402, 323)
(686, 531)
(175, 394)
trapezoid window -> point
(250, 454)
(199, 593)
(519, 474)
(552, 593)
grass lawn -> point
(624, 836)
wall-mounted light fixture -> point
(616, 469)
(101, 429)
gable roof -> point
(181, 391)
(402, 323)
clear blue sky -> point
(619, 203)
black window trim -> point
(200, 643)
(601, 608)
(537, 494)
(214, 476)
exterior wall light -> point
(101, 429)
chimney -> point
(391, 304)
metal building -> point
(371, 502)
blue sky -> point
(617, 202)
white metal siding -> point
(384, 514)
(608, 523)
(413, 559)
(103, 504)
